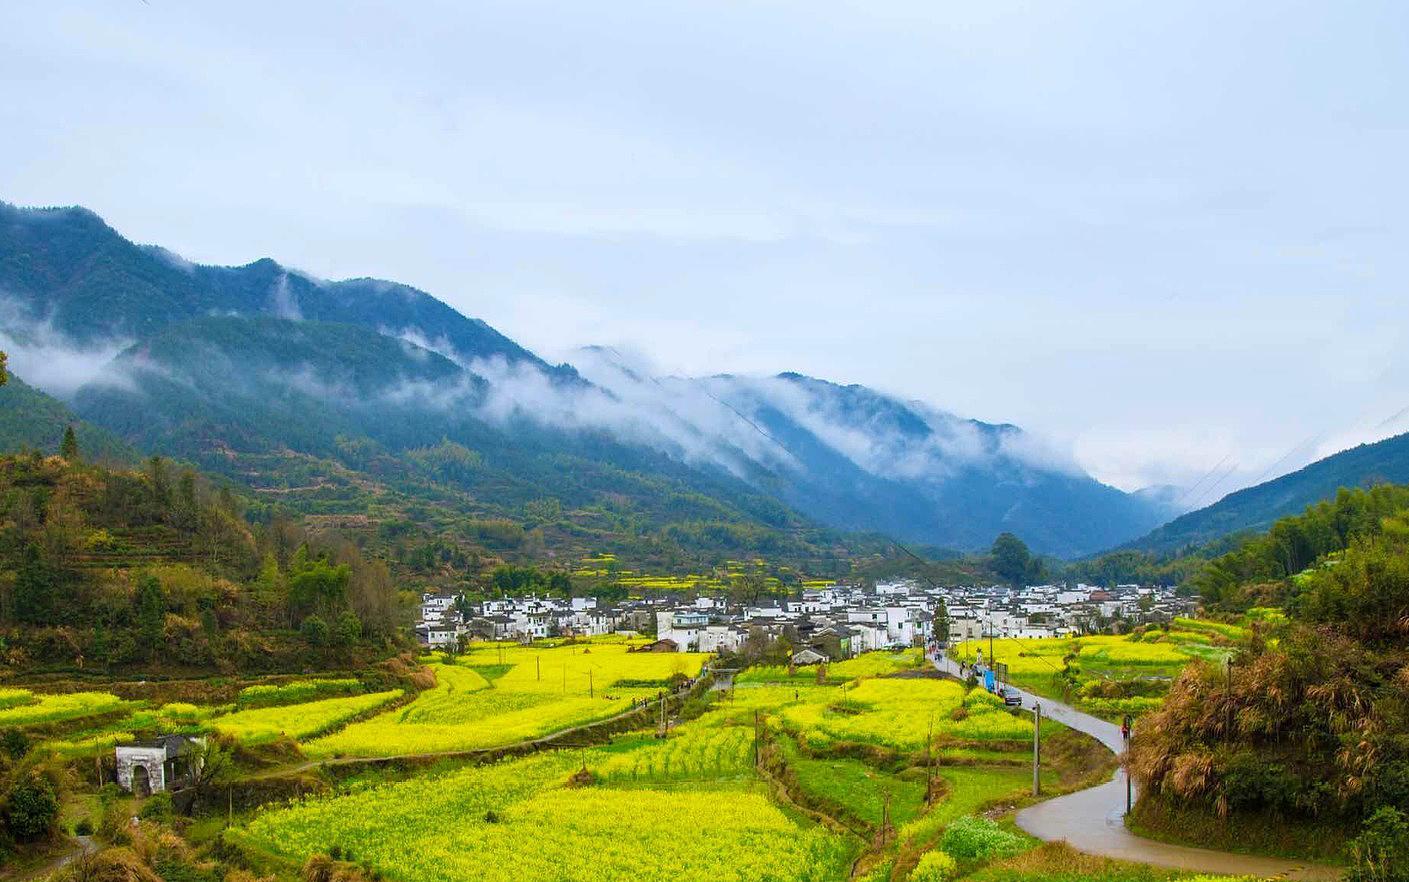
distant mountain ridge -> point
(1257, 508)
(225, 364)
(66, 267)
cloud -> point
(46, 358)
(282, 301)
(724, 420)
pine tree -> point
(69, 448)
(4, 375)
(151, 615)
(34, 587)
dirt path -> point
(1093, 820)
(79, 845)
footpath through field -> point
(1092, 820)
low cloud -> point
(283, 302)
(46, 358)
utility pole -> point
(591, 690)
(538, 664)
(1037, 748)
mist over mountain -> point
(232, 366)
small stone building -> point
(166, 763)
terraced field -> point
(1109, 675)
(696, 805)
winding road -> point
(1092, 820)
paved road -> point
(1092, 820)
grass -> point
(1256, 833)
(1059, 862)
(860, 789)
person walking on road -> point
(1125, 728)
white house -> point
(167, 763)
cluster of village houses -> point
(824, 623)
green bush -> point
(1381, 852)
(978, 839)
(314, 630)
(934, 866)
(32, 809)
(157, 807)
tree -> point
(34, 587)
(347, 630)
(941, 622)
(151, 615)
(1011, 559)
(69, 448)
(32, 809)
(160, 478)
(316, 586)
(211, 766)
(314, 630)
(4, 374)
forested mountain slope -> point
(29, 419)
(1256, 508)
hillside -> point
(258, 372)
(158, 570)
(1298, 741)
(29, 419)
(1256, 508)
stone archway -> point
(141, 780)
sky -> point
(1167, 237)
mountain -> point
(337, 394)
(32, 420)
(67, 269)
(866, 461)
(1257, 508)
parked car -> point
(1011, 697)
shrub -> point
(347, 630)
(972, 838)
(314, 630)
(157, 807)
(83, 828)
(1381, 852)
(14, 743)
(32, 809)
(934, 866)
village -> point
(822, 623)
